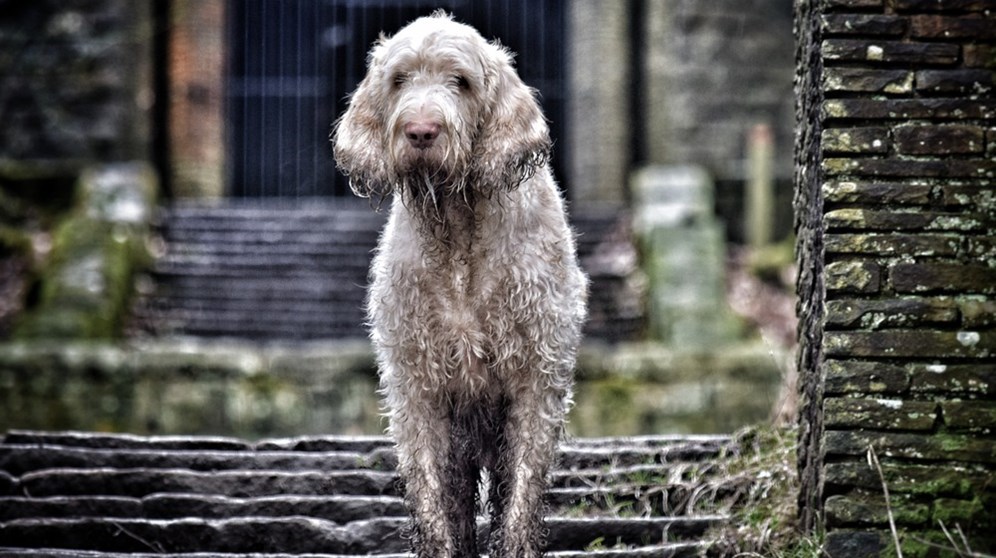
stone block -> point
(944, 5)
(852, 277)
(867, 219)
(910, 168)
(879, 414)
(910, 344)
(861, 50)
(977, 417)
(943, 277)
(852, 4)
(967, 81)
(949, 27)
(916, 446)
(915, 139)
(866, 80)
(908, 109)
(864, 24)
(978, 55)
(863, 507)
(871, 139)
(849, 543)
(879, 193)
(978, 313)
(893, 244)
(980, 195)
(890, 313)
(953, 379)
(852, 377)
(948, 479)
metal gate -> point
(292, 64)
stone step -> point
(299, 534)
(105, 495)
(667, 550)
(303, 268)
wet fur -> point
(476, 299)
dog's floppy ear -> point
(358, 137)
(514, 140)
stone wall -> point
(75, 81)
(712, 71)
(896, 215)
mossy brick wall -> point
(896, 224)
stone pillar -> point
(684, 257)
(196, 119)
(896, 217)
(598, 106)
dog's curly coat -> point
(477, 301)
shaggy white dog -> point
(477, 301)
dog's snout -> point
(421, 135)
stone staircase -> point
(114, 496)
(279, 270)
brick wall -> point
(895, 216)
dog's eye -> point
(399, 79)
(461, 82)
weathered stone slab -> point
(912, 168)
(907, 109)
(948, 27)
(971, 81)
(241, 535)
(976, 313)
(855, 50)
(864, 24)
(953, 480)
(337, 508)
(853, 277)
(69, 507)
(914, 139)
(869, 219)
(851, 377)
(943, 277)
(870, 508)
(879, 414)
(953, 379)
(865, 80)
(910, 344)
(848, 543)
(239, 484)
(944, 5)
(977, 417)
(890, 313)
(939, 446)
(893, 244)
(573, 533)
(868, 139)
(19, 459)
(93, 440)
(885, 193)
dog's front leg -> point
(421, 429)
(532, 429)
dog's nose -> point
(422, 134)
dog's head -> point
(440, 109)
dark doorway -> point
(292, 64)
